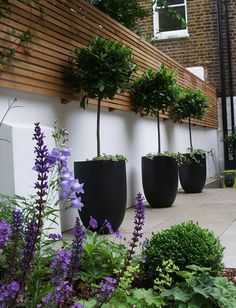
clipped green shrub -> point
(185, 244)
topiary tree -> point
(155, 93)
(128, 13)
(185, 244)
(191, 103)
(101, 70)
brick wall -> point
(201, 47)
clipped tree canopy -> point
(192, 103)
(102, 69)
(155, 92)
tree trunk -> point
(158, 133)
(98, 125)
(190, 133)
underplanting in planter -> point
(100, 71)
(191, 103)
(154, 93)
(185, 244)
(230, 142)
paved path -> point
(214, 209)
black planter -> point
(105, 192)
(192, 174)
(160, 180)
(230, 164)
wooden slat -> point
(73, 24)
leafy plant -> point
(186, 243)
(200, 289)
(191, 103)
(155, 93)
(176, 156)
(116, 157)
(128, 13)
(101, 70)
(100, 257)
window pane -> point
(170, 20)
(172, 2)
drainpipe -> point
(229, 51)
(222, 74)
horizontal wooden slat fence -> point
(59, 26)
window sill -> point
(172, 36)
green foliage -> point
(200, 289)
(138, 297)
(22, 40)
(176, 156)
(186, 243)
(231, 144)
(196, 155)
(116, 157)
(100, 257)
(128, 13)
(154, 92)
(191, 103)
(101, 70)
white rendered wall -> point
(121, 133)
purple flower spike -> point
(106, 288)
(77, 306)
(60, 266)
(93, 223)
(5, 229)
(16, 221)
(30, 243)
(77, 248)
(62, 293)
(139, 218)
(42, 167)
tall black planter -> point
(105, 193)
(192, 174)
(160, 180)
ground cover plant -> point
(41, 269)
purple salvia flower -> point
(60, 266)
(110, 229)
(42, 167)
(29, 246)
(17, 221)
(139, 218)
(77, 248)
(93, 223)
(62, 293)
(5, 229)
(77, 306)
(8, 293)
(106, 288)
(55, 237)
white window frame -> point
(168, 34)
